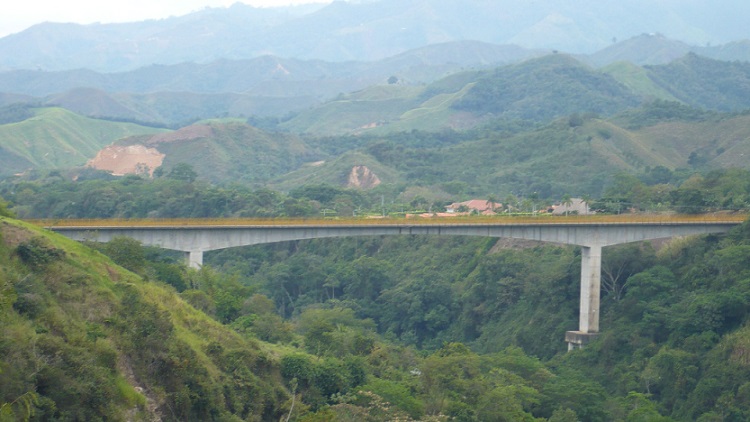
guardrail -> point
(717, 218)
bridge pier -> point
(588, 320)
(194, 259)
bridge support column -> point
(588, 322)
(194, 259)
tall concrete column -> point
(194, 259)
(591, 274)
(588, 320)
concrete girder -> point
(591, 236)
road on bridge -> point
(717, 218)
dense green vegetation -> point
(488, 323)
(98, 195)
(561, 83)
(179, 193)
(83, 339)
(380, 328)
(395, 328)
(344, 312)
(15, 113)
(58, 138)
(674, 319)
(515, 129)
(237, 152)
(705, 83)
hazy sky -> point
(17, 15)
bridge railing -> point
(715, 218)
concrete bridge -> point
(194, 237)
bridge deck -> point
(627, 219)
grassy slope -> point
(724, 142)
(376, 105)
(538, 89)
(551, 160)
(56, 137)
(237, 152)
(174, 108)
(705, 83)
(334, 172)
(85, 293)
(637, 80)
(433, 114)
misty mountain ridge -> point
(271, 75)
(364, 31)
(275, 86)
(520, 97)
(328, 98)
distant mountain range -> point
(368, 30)
(418, 92)
(530, 113)
(270, 75)
(270, 86)
(324, 98)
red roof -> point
(480, 205)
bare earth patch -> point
(12, 236)
(131, 159)
(143, 159)
(362, 177)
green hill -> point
(335, 172)
(175, 108)
(577, 154)
(57, 138)
(705, 83)
(653, 49)
(675, 320)
(637, 80)
(386, 109)
(224, 151)
(356, 112)
(83, 339)
(546, 88)
(537, 90)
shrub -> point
(36, 253)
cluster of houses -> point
(486, 207)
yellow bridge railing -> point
(716, 218)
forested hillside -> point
(84, 339)
(674, 319)
(235, 116)
(579, 154)
(56, 138)
(416, 328)
(446, 85)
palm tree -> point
(567, 201)
(491, 200)
(509, 200)
(586, 198)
